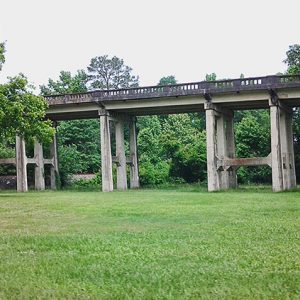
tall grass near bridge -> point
(150, 244)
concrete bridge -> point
(219, 100)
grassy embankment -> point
(150, 244)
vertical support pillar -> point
(287, 149)
(134, 168)
(39, 166)
(120, 153)
(277, 181)
(21, 165)
(212, 174)
(220, 145)
(106, 158)
(290, 146)
(230, 142)
(54, 168)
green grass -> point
(150, 244)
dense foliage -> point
(21, 112)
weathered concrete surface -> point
(212, 173)
(220, 146)
(106, 158)
(21, 165)
(39, 167)
(120, 153)
(134, 167)
(283, 161)
(54, 166)
(235, 94)
(276, 149)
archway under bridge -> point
(218, 99)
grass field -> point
(150, 244)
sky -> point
(187, 39)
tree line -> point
(172, 148)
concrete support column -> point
(21, 165)
(39, 166)
(120, 153)
(230, 143)
(282, 145)
(277, 182)
(290, 147)
(106, 158)
(54, 168)
(212, 174)
(134, 168)
(220, 146)
(287, 150)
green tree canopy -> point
(293, 59)
(211, 77)
(110, 73)
(66, 83)
(21, 112)
(2, 56)
(167, 80)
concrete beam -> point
(7, 161)
(242, 162)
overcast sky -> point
(187, 38)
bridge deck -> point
(242, 93)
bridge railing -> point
(193, 88)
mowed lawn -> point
(150, 244)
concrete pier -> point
(106, 158)
(220, 146)
(39, 166)
(282, 148)
(120, 154)
(134, 167)
(54, 167)
(21, 165)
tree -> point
(254, 126)
(21, 112)
(293, 62)
(110, 73)
(293, 59)
(79, 139)
(211, 77)
(66, 83)
(185, 148)
(2, 55)
(168, 80)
